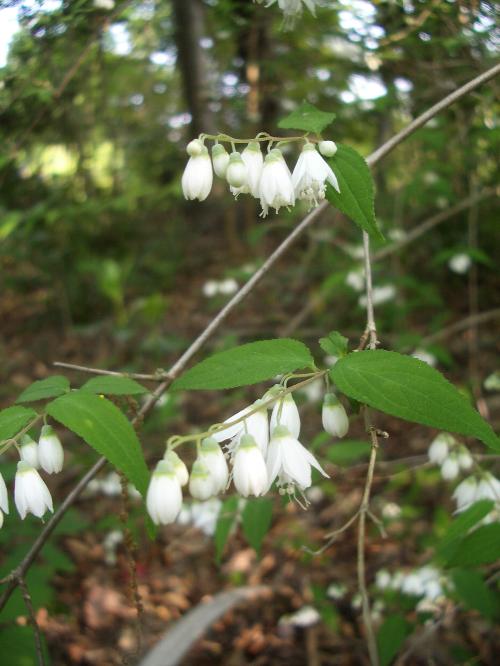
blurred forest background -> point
(104, 264)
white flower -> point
(194, 148)
(236, 173)
(276, 187)
(29, 451)
(460, 263)
(304, 617)
(220, 160)
(227, 287)
(108, 5)
(465, 460)
(310, 175)
(488, 488)
(356, 279)
(465, 493)
(289, 461)
(440, 447)
(164, 496)
(450, 468)
(254, 162)
(210, 288)
(198, 176)
(180, 469)
(50, 450)
(31, 495)
(383, 579)
(1, 519)
(213, 458)
(201, 482)
(256, 425)
(425, 356)
(4, 497)
(285, 413)
(249, 469)
(327, 148)
(292, 9)
(380, 295)
(334, 417)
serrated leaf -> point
(308, 118)
(335, 344)
(390, 637)
(225, 523)
(356, 198)
(103, 426)
(410, 389)
(14, 419)
(462, 524)
(256, 520)
(113, 386)
(247, 364)
(480, 547)
(471, 589)
(45, 388)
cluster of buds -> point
(267, 179)
(450, 455)
(261, 449)
(474, 488)
(31, 494)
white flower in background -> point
(197, 178)
(391, 511)
(180, 469)
(465, 493)
(276, 187)
(327, 148)
(228, 286)
(334, 417)
(488, 488)
(430, 178)
(396, 234)
(4, 497)
(440, 447)
(202, 485)
(292, 9)
(285, 413)
(220, 160)
(289, 461)
(425, 356)
(203, 515)
(450, 468)
(210, 288)
(492, 382)
(465, 460)
(194, 148)
(249, 468)
(460, 263)
(256, 425)
(213, 458)
(110, 544)
(164, 496)
(28, 451)
(254, 162)
(336, 591)
(50, 451)
(236, 173)
(31, 495)
(310, 176)
(380, 295)
(107, 5)
(383, 579)
(355, 251)
(356, 279)
(304, 617)
(425, 582)
(330, 360)
(313, 391)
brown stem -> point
(31, 615)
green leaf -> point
(18, 646)
(45, 388)
(113, 385)
(308, 118)
(334, 344)
(13, 419)
(390, 637)
(256, 520)
(480, 547)
(344, 453)
(103, 426)
(474, 593)
(248, 364)
(225, 522)
(462, 524)
(356, 198)
(410, 389)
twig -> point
(461, 325)
(31, 615)
(157, 377)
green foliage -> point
(247, 364)
(482, 546)
(256, 521)
(103, 426)
(308, 118)
(45, 388)
(346, 452)
(225, 523)
(18, 644)
(110, 385)
(449, 542)
(14, 419)
(356, 198)
(471, 589)
(407, 388)
(335, 344)
(390, 637)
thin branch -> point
(461, 325)
(157, 377)
(31, 615)
(371, 327)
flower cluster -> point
(427, 582)
(267, 179)
(474, 488)
(261, 449)
(450, 455)
(31, 495)
(292, 9)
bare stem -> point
(157, 377)
(31, 615)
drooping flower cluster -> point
(31, 494)
(427, 582)
(478, 487)
(261, 450)
(450, 455)
(267, 179)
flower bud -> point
(249, 470)
(236, 173)
(50, 450)
(450, 468)
(31, 495)
(334, 417)
(464, 458)
(197, 178)
(254, 161)
(4, 497)
(285, 413)
(29, 451)
(194, 148)
(201, 482)
(220, 160)
(440, 447)
(211, 454)
(327, 148)
(164, 496)
(177, 465)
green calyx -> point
(199, 470)
(26, 439)
(330, 400)
(47, 431)
(164, 468)
(218, 149)
(247, 442)
(280, 431)
(210, 445)
(235, 158)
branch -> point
(114, 373)
(461, 325)
(31, 615)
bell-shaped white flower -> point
(440, 448)
(327, 148)
(194, 148)
(4, 496)
(31, 495)
(213, 458)
(198, 176)
(450, 468)
(201, 482)
(236, 174)
(50, 450)
(28, 451)
(254, 162)
(285, 413)
(465, 493)
(180, 469)
(220, 160)
(164, 496)
(488, 488)
(334, 417)
(249, 468)
(255, 424)
(310, 176)
(276, 187)
(289, 461)
(465, 459)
